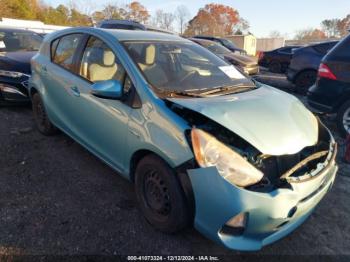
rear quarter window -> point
(342, 49)
(324, 48)
(65, 49)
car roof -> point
(130, 35)
(202, 41)
(206, 37)
(323, 43)
(118, 34)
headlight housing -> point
(233, 167)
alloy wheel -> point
(346, 120)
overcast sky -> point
(264, 16)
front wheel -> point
(343, 119)
(160, 195)
(41, 119)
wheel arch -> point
(180, 173)
(345, 98)
(303, 71)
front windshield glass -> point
(228, 43)
(12, 41)
(183, 67)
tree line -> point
(330, 28)
(212, 19)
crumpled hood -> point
(273, 121)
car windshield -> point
(12, 41)
(228, 43)
(218, 49)
(184, 67)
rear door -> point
(59, 80)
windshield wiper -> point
(184, 93)
(233, 88)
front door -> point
(102, 124)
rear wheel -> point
(160, 195)
(41, 119)
(275, 67)
(343, 119)
(305, 80)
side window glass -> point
(99, 63)
(54, 47)
(66, 49)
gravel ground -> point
(58, 199)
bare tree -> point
(331, 27)
(275, 34)
(164, 20)
(182, 15)
(241, 27)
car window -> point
(285, 50)
(99, 63)
(343, 49)
(54, 47)
(218, 49)
(182, 67)
(12, 41)
(65, 50)
(324, 48)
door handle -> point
(75, 91)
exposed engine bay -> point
(279, 171)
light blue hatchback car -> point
(243, 162)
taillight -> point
(325, 72)
(261, 55)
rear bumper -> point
(271, 216)
(327, 95)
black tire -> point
(160, 195)
(41, 119)
(275, 67)
(305, 80)
(344, 112)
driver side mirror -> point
(109, 89)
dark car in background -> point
(331, 93)
(245, 64)
(303, 67)
(129, 25)
(278, 60)
(17, 47)
(225, 42)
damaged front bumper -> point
(270, 216)
(14, 90)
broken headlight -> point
(233, 167)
